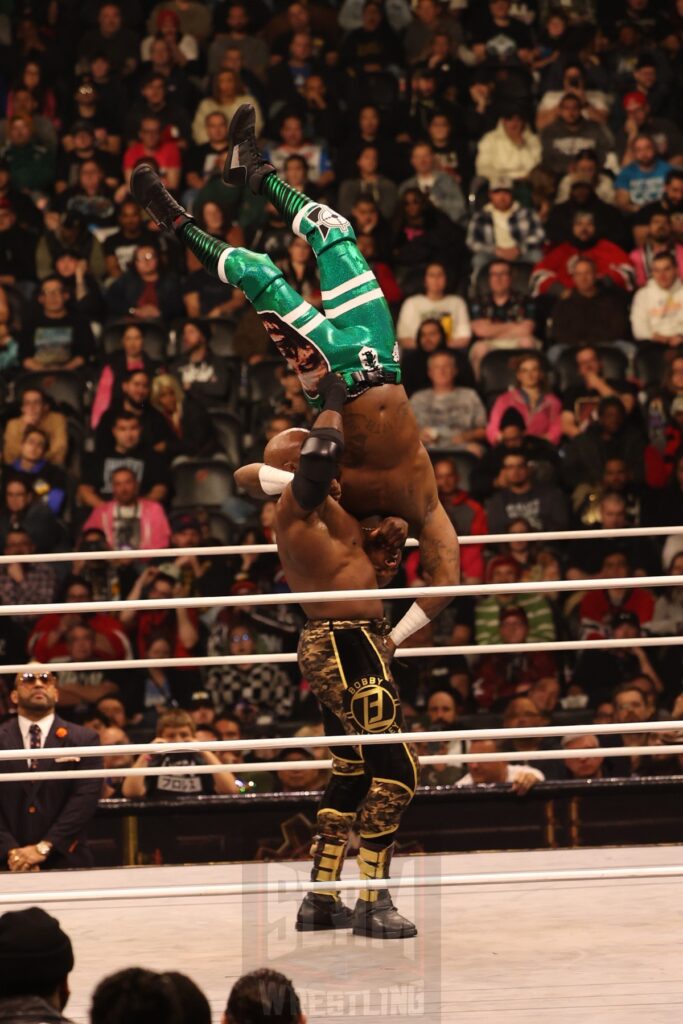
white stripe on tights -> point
(311, 325)
(296, 223)
(354, 282)
(360, 300)
(297, 313)
(220, 269)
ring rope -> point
(320, 596)
(348, 740)
(263, 549)
(293, 766)
(282, 887)
(207, 661)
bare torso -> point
(386, 470)
(325, 552)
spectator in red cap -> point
(665, 134)
(182, 45)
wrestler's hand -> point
(389, 648)
(392, 532)
(332, 389)
(335, 490)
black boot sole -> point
(153, 196)
(369, 933)
(242, 130)
(311, 926)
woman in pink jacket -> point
(540, 410)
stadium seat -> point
(200, 481)
(221, 529)
(155, 337)
(64, 387)
(651, 364)
(76, 430)
(263, 380)
(613, 359)
(229, 431)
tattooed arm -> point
(440, 557)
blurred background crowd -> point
(514, 174)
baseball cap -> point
(81, 126)
(201, 699)
(184, 521)
(501, 183)
(635, 97)
(624, 618)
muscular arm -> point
(440, 557)
(261, 481)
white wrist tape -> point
(413, 620)
(273, 481)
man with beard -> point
(134, 401)
(42, 824)
(553, 274)
(641, 181)
(660, 238)
(670, 202)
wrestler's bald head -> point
(283, 450)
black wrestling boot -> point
(319, 912)
(155, 198)
(244, 164)
(323, 910)
(375, 914)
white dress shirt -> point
(45, 724)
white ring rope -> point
(348, 740)
(201, 661)
(249, 767)
(127, 554)
(280, 888)
(321, 596)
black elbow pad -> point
(318, 465)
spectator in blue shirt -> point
(643, 180)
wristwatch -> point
(44, 848)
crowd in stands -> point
(513, 170)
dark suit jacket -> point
(57, 811)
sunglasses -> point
(31, 677)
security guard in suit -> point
(42, 823)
